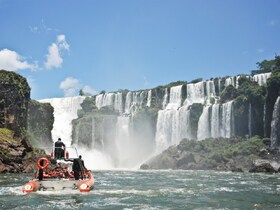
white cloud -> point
(89, 91)
(12, 61)
(69, 86)
(62, 44)
(54, 56)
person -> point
(59, 148)
(78, 167)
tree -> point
(268, 66)
(81, 92)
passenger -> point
(59, 148)
(78, 167)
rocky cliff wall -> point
(16, 152)
(14, 98)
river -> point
(152, 190)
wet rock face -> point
(16, 155)
(40, 123)
(262, 165)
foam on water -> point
(164, 189)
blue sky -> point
(62, 46)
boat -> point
(57, 174)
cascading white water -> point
(225, 129)
(261, 78)
(99, 101)
(165, 102)
(215, 121)
(65, 110)
(106, 99)
(184, 124)
(275, 125)
(128, 101)
(175, 98)
(173, 123)
(134, 101)
(210, 90)
(164, 129)
(149, 98)
(195, 93)
(167, 131)
(123, 141)
(118, 106)
(203, 130)
(230, 81)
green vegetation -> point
(228, 94)
(14, 94)
(268, 66)
(220, 152)
(197, 80)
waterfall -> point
(128, 101)
(149, 98)
(250, 120)
(165, 99)
(99, 101)
(164, 129)
(275, 124)
(175, 98)
(215, 121)
(225, 129)
(123, 144)
(106, 99)
(229, 81)
(261, 78)
(65, 110)
(184, 123)
(195, 93)
(134, 101)
(203, 131)
(264, 120)
(118, 106)
(168, 130)
(210, 90)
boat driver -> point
(59, 149)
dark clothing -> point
(78, 167)
(59, 149)
(40, 175)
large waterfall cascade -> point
(65, 110)
(174, 120)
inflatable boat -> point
(63, 174)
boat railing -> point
(68, 152)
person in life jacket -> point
(59, 148)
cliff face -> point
(16, 152)
(40, 124)
(14, 98)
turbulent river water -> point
(152, 190)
